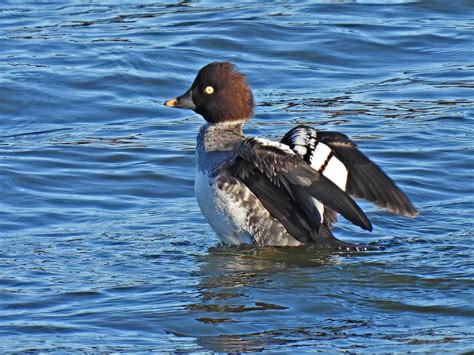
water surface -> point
(102, 245)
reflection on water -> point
(227, 276)
(102, 245)
(329, 300)
(226, 270)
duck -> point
(267, 193)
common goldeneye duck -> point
(268, 193)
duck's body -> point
(230, 207)
(266, 193)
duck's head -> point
(219, 93)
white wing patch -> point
(319, 156)
(299, 137)
(300, 149)
(320, 207)
(303, 141)
(279, 145)
(336, 171)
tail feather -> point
(325, 239)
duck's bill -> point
(183, 101)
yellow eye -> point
(209, 90)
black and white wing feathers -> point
(286, 185)
(337, 157)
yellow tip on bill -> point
(170, 103)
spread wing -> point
(335, 156)
(287, 186)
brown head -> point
(219, 93)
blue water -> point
(102, 245)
